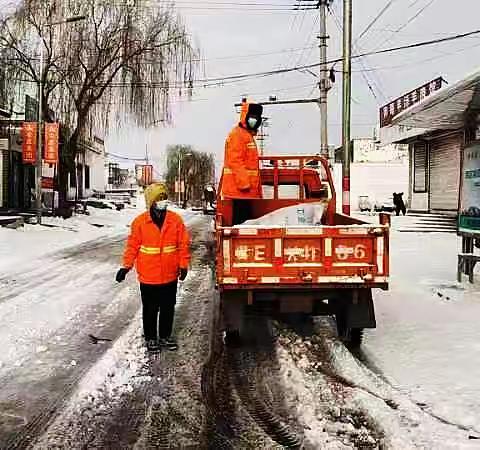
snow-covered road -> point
(415, 383)
(49, 307)
(47, 315)
(427, 343)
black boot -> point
(169, 343)
(152, 345)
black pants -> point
(158, 298)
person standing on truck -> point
(159, 247)
(241, 171)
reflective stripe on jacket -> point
(157, 255)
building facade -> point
(443, 135)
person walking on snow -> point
(159, 247)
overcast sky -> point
(228, 37)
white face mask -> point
(252, 122)
(161, 205)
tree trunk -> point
(66, 167)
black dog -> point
(399, 203)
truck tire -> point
(350, 336)
(356, 337)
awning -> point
(445, 109)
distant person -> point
(159, 247)
(241, 171)
(399, 204)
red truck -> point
(328, 269)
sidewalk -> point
(21, 246)
(30, 242)
(427, 341)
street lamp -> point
(38, 199)
(181, 157)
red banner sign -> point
(388, 112)
(47, 183)
(51, 143)
(29, 142)
(147, 175)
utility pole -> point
(347, 98)
(324, 80)
(39, 161)
(324, 84)
(262, 135)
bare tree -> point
(124, 60)
(197, 170)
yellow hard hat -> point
(154, 193)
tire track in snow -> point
(58, 314)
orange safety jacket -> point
(157, 254)
(241, 171)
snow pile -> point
(301, 214)
(32, 241)
(332, 388)
(320, 407)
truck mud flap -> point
(358, 311)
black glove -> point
(121, 274)
(183, 274)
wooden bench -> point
(466, 265)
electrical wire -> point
(414, 63)
(375, 20)
(126, 158)
(363, 74)
(246, 76)
(256, 55)
(405, 25)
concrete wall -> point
(97, 172)
(377, 180)
(417, 201)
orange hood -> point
(252, 108)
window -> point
(420, 167)
(87, 177)
(285, 191)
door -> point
(445, 173)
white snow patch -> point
(18, 248)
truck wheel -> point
(232, 338)
(350, 336)
(356, 337)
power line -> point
(126, 158)
(408, 22)
(413, 63)
(364, 76)
(361, 55)
(255, 55)
(375, 20)
(245, 76)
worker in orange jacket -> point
(241, 171)
(159, 247)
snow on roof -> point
(443, 110)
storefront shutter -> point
(445, 173)
(420, 167)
